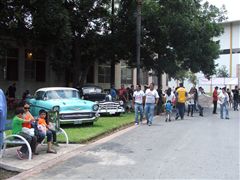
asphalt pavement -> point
(194, 148)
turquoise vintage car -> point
(71, 108)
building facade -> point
(229, 54)
(30, 70)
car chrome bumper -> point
(111, 111)
(79, 121)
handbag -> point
(29, 131)
(42, 129)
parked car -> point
(104, 100)
(71, 108)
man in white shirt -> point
(150, 102)
(223, 100)
(138, 100)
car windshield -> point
(89, 90)
(62, 94)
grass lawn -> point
(84, 133)
(104, 125)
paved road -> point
(195, 148)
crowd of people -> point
(150, 101)
(145, 103)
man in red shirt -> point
(215, 99)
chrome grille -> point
(66, 116)
(109, 105)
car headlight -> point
(95, 107)
(121, 103)
(56, 108)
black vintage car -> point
(106, 104)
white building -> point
(229, 55)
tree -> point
(222, 72)
(181, 32)
(90, 29)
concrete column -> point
(118, 75)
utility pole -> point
(112, 77)
(138, 38)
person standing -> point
(160, 101)
(230, 97)
(235, 98)
(200, 107)
(190, 102)
(11, 95)
(223, 100)
(152, 98)
(181, 96)
(138, 100)
(122, 94)
(215, 100)
(11, 91)
(113, 93)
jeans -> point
(214, 107)
(181, 109)
(51, 135)
(235, 104)
(200, 108)
(223, 107)
(138, 107)
(149, 112)
(32, 140)
(190, 109)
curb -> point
(24, 175)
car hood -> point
(72, 104)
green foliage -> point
(222, 71)
(75, 34)
(181, 32)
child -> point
(17, 129)
(43, 126)
(190, 103)
(168, 108)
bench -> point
(19, 140)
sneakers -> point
(19, 154)
(136, 124)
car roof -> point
(56, 88)
(91, 85)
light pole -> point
(112, 77)
(138, 38)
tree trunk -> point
(159, 79)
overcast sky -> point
(232, 7)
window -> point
(227, 51)
(90, 76)
(143, 77)
(35, 65)
(39, 95)
(104, 73)
(9, 64)
(126, 74)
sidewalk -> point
(12, 163)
